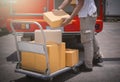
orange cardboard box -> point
(62, 54)
(72, 57)
(27, 60)
(61, 49)
(54, 18)
(37, 62)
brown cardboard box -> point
(62, 54)
(37, 62)
(61, 49)
(40, 63)
(27, 60)
(50, 35)
(72, 57)
(54, 18)
(53, 57)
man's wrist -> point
(59, 8)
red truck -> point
(33, 9)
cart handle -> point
(27, 22)
(44, 38)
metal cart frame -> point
(37, 48)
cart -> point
(37, 48)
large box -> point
(54, 18)
(50, 35)
(61, 51)
(37, 62)
(72, 57)
(33, 62)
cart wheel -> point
(28, 76)
(50, 79)
(75, 70)
(18, 65)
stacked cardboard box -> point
(37, 62)
(30, 61)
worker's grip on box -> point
(55, 18)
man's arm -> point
(77, 8)
(64, 4)
(74, 13)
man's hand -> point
(65, 21)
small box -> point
(50, 35)
(72, 57)
(54, 18)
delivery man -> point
(87, 12)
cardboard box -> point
(50, 35)
(62, 54)
(61, 49)
(72, 57)
(37, 62)
(54, 18)
(27, 60)
(33, 61)
(40, 63)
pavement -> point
(108, 71)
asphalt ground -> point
(108, 71)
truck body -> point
(33, 9)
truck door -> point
(29, 10)
(30, 7)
